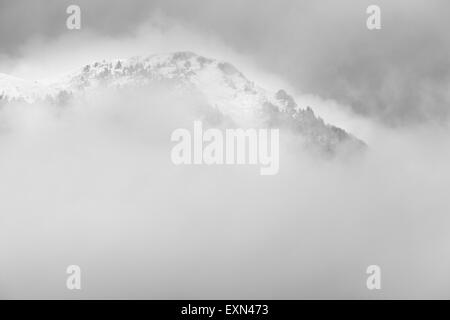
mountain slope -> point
(220, 83)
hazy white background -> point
(93, 184)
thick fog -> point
(92, 184)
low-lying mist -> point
(92, 184)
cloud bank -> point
(93, 185)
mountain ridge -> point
(224, 87)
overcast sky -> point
(399, 74)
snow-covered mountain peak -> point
(222, 85)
